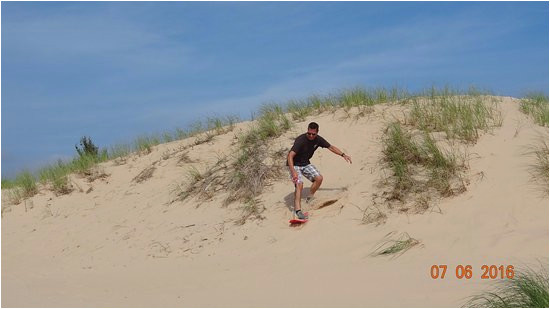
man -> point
(299, 165)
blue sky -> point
(117, 70)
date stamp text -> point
(467, 272)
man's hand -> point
(295, 178)
(347, 158)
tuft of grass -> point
(8, 184)
(144, 144)
(119, 151)
(536, 105)
(56, 176)
(442, 165)
(527, 289)
(355, 97)
(299, 110)
(321, 103)
(395, 247)
(249, 171)
(540, 168)
(460, 116)
(407, 157)
(360, 96)
(400, 152)
(82, 165)
(22, 187)
(27, 182)
(204, 185)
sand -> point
(115, 242)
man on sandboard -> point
(298, 163)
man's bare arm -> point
(340, 153)
(290, 160)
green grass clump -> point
(145, 143)
(82, 165)
(442, 165)
(460, 116)
(88, 156)
(8, 184)
(400, 152)
(27, 182)
(539, 169)
(536, 105)
(527, 289)
(542, 161)
(359, 96)
(119, 151)
(321, 103)
(271, 124)
(407, 157)
(22, 187)
(347, 99)
(250, 170)
(395, 247)
(56, 175)
(299, 110)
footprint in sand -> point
(323, 202)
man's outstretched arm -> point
(290, 160)
(340, 153)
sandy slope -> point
(125, 244)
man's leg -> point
(317, 181)
(298, 195)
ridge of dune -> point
(118, 242)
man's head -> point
(312, 130)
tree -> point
(87, 148)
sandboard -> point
(295, 221)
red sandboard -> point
(298, 221)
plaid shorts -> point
(308, 171)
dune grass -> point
(250, 168)
(360, 96)
(22, 187)
(205, 184)
(400, 152)
(460, 115)
(406, 155)
(536, 105)
(539, 169)
(528, 289)
(245, 174)
(419, 162)
(541, 166)
(56, 174)
(347, 99)
(276, 119)
(271, 123)
(395, 247)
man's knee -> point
(299, 186)
(318, 179)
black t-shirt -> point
(304, 148)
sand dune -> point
(117, 241)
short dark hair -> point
(313, 125)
